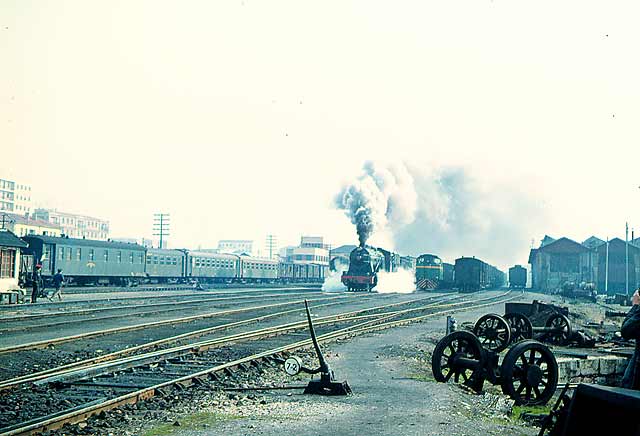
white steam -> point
(333, 281)
(399, 282)
(380, 198)
(443, 211)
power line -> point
(161, 226)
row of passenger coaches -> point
(85, 262)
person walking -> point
(631, 330)
(58, 281)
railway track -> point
(89, 389)
(111, 298)
(33, 321)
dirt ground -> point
(394, 394)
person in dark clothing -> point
(631, 330)
(58, 281)
(35, 283)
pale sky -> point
(245, 118)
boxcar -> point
(164, 265)
(85, 261)
(470, 274)
(448, 276)
(517, 276)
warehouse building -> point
(615, 281)
(560, 261)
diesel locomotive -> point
(429, 272)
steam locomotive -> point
(365, 262)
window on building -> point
(7, 263)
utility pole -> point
(606, 269)
(626, 243)
(161, 226)
(5, 221)
(271, 245)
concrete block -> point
(589, 366)
(608, 365)
(568, 369)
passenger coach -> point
(85, 261)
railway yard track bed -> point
(206, 362)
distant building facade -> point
(74, 225)
(562, 261)
(24, 226)
(614, 281)
(312, 249)
(15, 197)
(235, 246)
(558, 262)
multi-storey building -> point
(15, 197)
(235, 246)
(76, 226)
(311, 250)
(23, 225)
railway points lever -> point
(326, 384)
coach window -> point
(119, 256)
(61, 253)
(91, 254)
(141, 258)
(131, 257)
(79, 254)
(106, 255)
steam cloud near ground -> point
(444, 211)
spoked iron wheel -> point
(529, 373)
(456, 357)
(561, 334)
(493, 332)
(521, 327)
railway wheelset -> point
(497, 332)
(528, 372)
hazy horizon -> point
(243, 119)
